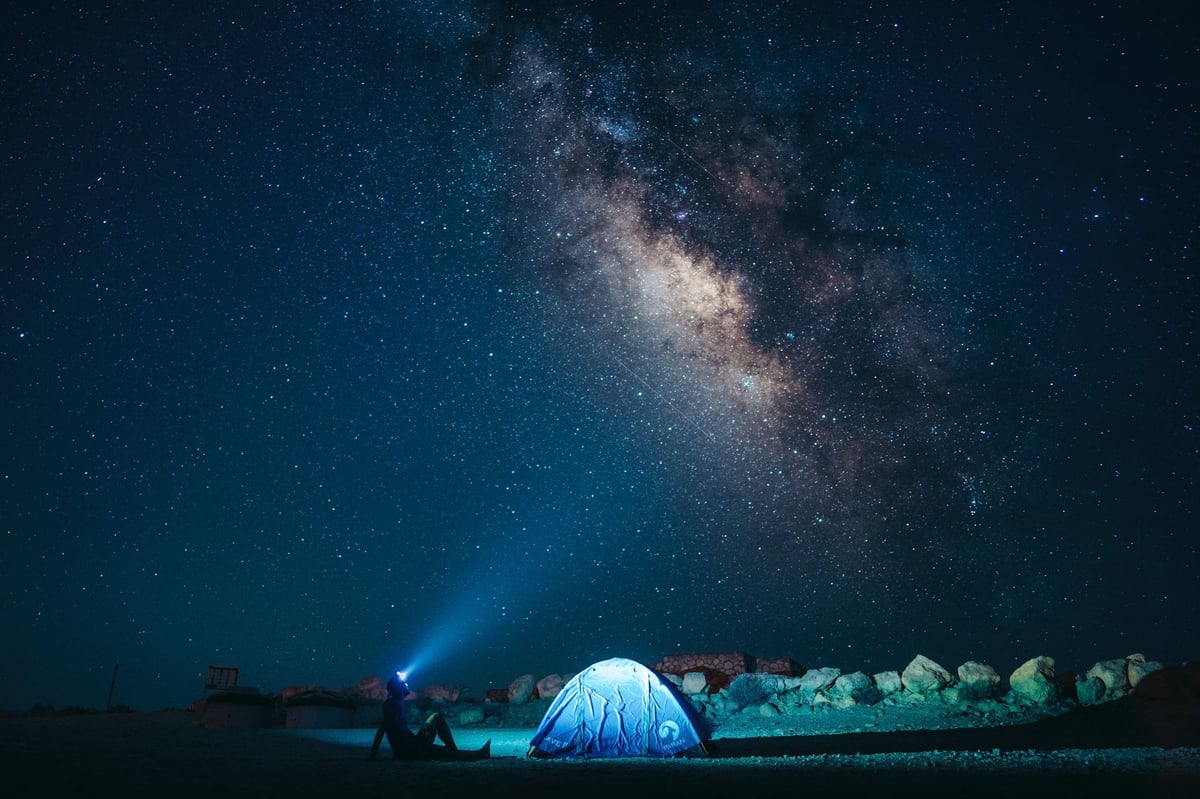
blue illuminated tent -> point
(619, 708)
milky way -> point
(733, 301)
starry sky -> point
(491, 338)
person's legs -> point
(429, 732)
(436, 727)
(482, 753)
(405, 746)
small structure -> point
(239, 709)
(235, 706)
(319, 710)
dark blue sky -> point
(500, 338)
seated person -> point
(407, 745)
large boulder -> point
(923, 676)
(853, 689)
(550, 686)
(1137, 667)
(471, 715)
(521, 689)
(888, 682)
(1033, 681)
(1113, 673)
(815, 681)
(977, 681)
(754, 688)
(694, 682)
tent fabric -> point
(618, 708)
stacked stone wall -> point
(785, 666)
(729, 663)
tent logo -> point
(668, 730)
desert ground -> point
(1132, 747)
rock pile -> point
(1034, 682)
(723, 685)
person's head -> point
(397, 686)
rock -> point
(719, 705)
(853, 689)
(923, 676)
(439, 693)
(1089, 690)
(888, 682)
(952, 694)
(977, 681)
(768, 710)
(841, 701)
(815, 680)
(779, 684)
(471, 715)
(370, 687)
(1113, 674)
(746, 690)
(550, 686)
(1033, 681)
(1137, 667)
(754, 688)
(694, 682)
(520, 689)
(674, 679)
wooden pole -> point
(112, 685)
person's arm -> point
(375, 745)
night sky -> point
(499, 338)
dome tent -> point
(619, 708)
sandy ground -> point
(1125, 748)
